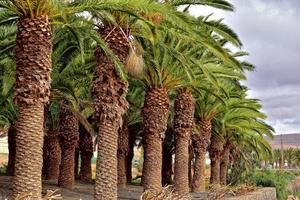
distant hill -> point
(288, 140)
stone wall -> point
(261, 194)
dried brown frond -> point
(135, 62)
(166, 193)
(156, 17)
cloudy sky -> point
(270, 31)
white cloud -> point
(270, 32)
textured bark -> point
(200, 144)
(183, 125)
(225, 162)
(52, 155)
(86, 154)
(11, 151)
(123, 148)
(29, 151)
(66, 177)
(129, 167)
(76, 164)
(191, 157)
(86, 166)
(155, 118)
(215, 149)
(32, 88)
(109, 93)
(68, 142)
(167, 170)
(130, 155)
(198, 184)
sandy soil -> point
(81, 191)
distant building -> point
(288, 141)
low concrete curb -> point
(261, 194)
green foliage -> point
(3, 168)
(136, 181)
(278, 179)
(180, 52)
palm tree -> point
(33, 49)
(52, 149)
(109, 89)
(166, 69)
(168, 149)
(35, 35)
(32, 88)
(225, 154)
(69, 135)
(277, 157)
(183, 125)
(208, 105)
(296, 157)
(72, 63)
(215, 150)
(70, 96)
(158, 80)
(210, 94)
(289, 156)
(241, 120)
(180, 67)
(86, 148)
(131, 118)
(109, 93)
(8, 111)
(202, 140)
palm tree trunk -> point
(32, 89)
(29, 151)
(215, 150)
(155, 118)
(109, 93)
(11, 150)
(123, 148)
(191, 164)
(106, 172)
(86, 166)
(167, 170)
(86, 147)
(130, 156)
(201, 142)
(52, 155)
(76, 163)
(183, 125)
(198, 184)
(225, 162)
(68, 141)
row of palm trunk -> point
(158, 158)
(62, 149)
(59, 152)
(109, 92)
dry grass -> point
(223, 191)
(166, 194)
(292, 198)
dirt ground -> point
(81, 191)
